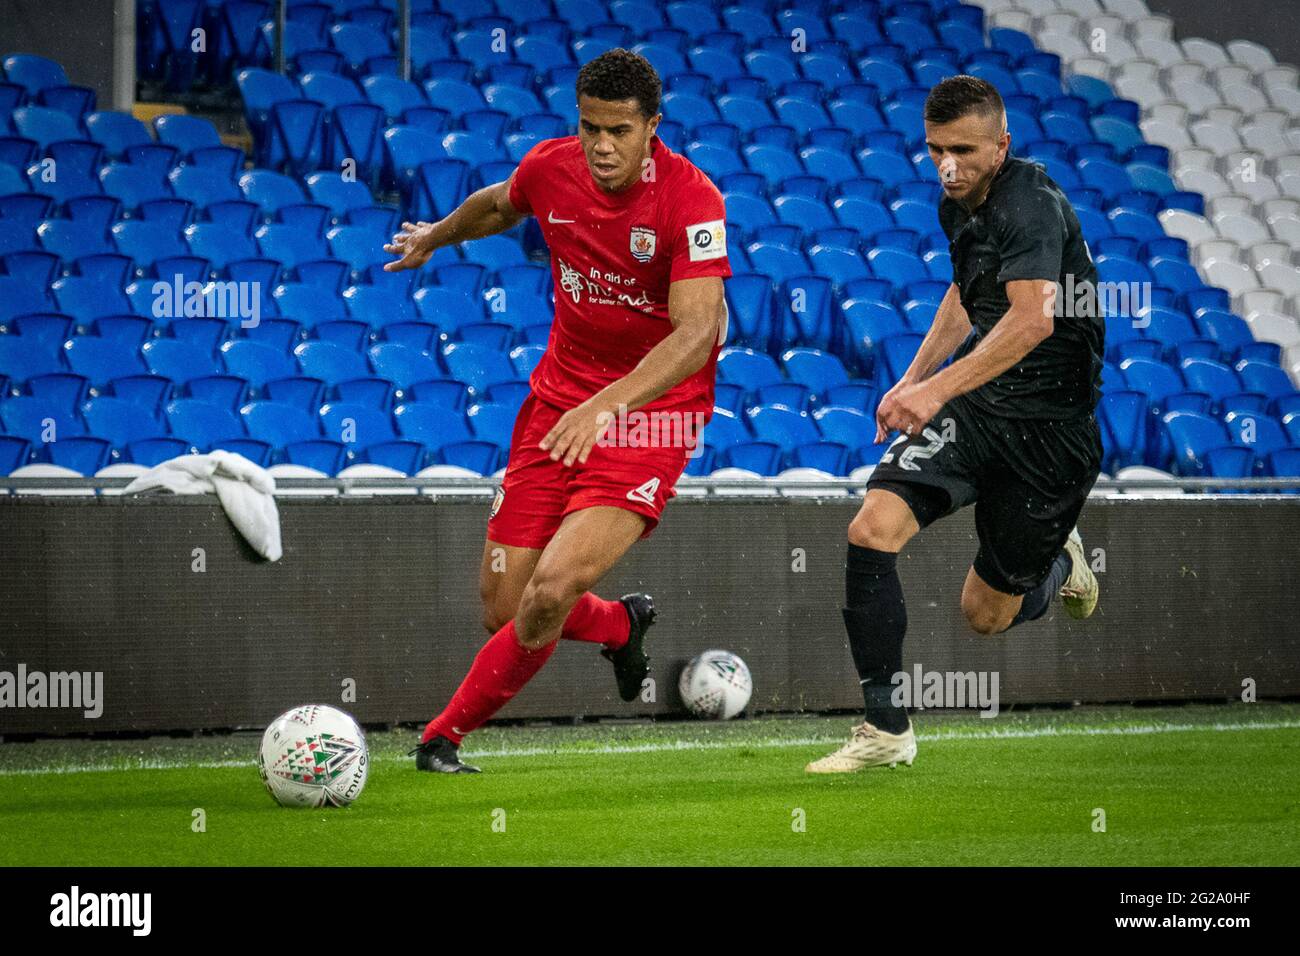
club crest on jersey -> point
(642, 243)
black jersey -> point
(1026, 229)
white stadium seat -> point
(1068, 48)
(1188, 226)
(1091, 66)
(1158, 26)
(1166, 133)
(1206, 52)
(1218, 249)
(1197, 94)
(1245, 96)
(1273, 327)
(1210, 184)
(1243, 230)
(1263, 300)
(1284, 76)
(1236, 277)
(1218, 138)
(1196, 157)
(1059, 22)
(47, 470)
(1251, 55)
(1128, 9)
(1165, 52)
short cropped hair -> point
(620, 74)
(959, 96)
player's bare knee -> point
(982, 619)
(550, 594)
(494, 618)
(878, 528)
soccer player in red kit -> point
(638, 253)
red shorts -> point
(537, 493)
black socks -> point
(876, 619)
(1035, 602)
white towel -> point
(246, 491)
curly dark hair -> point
(620, 74)
(957, 96)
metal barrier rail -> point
(706, 486)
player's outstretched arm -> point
(1028, 321)
(485, 213)
(950, 327)
(696, 309)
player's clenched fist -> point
(414, 244)
(576, 432)
(907, 407)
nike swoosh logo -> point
(551, 218)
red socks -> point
(501, 668)
(597, 622)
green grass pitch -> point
(1188, 786)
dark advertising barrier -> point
(378, 597)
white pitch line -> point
(690, 745)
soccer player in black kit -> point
(1008, 426)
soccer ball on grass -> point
(313, 756)
(716, 685)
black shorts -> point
(1027, 478)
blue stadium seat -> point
(121, 422)
(761, 457)
(492, 423)
(477, 366)
(327, 457)
(401, 364)
(43, 125)
(279, 424)
(355, 425)
(1123, 416)
(751, 306)
(147, 242)
(330, 362)
(1213, 378)
(747, 368)
(377, 306)
(228, 391)
(270, 190)
(255, 361)
(14, 452)
(1262, 434)
(33, 73)
(86, 298)
(819, 370)
(177, 360)
(433, 425)
(202, 186)
(66, 389)
(203, 423)
(219, 244)
(1192, 437)
(1266, 379)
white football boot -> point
(868, 747)
(1080, 593)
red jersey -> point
(613, 256)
